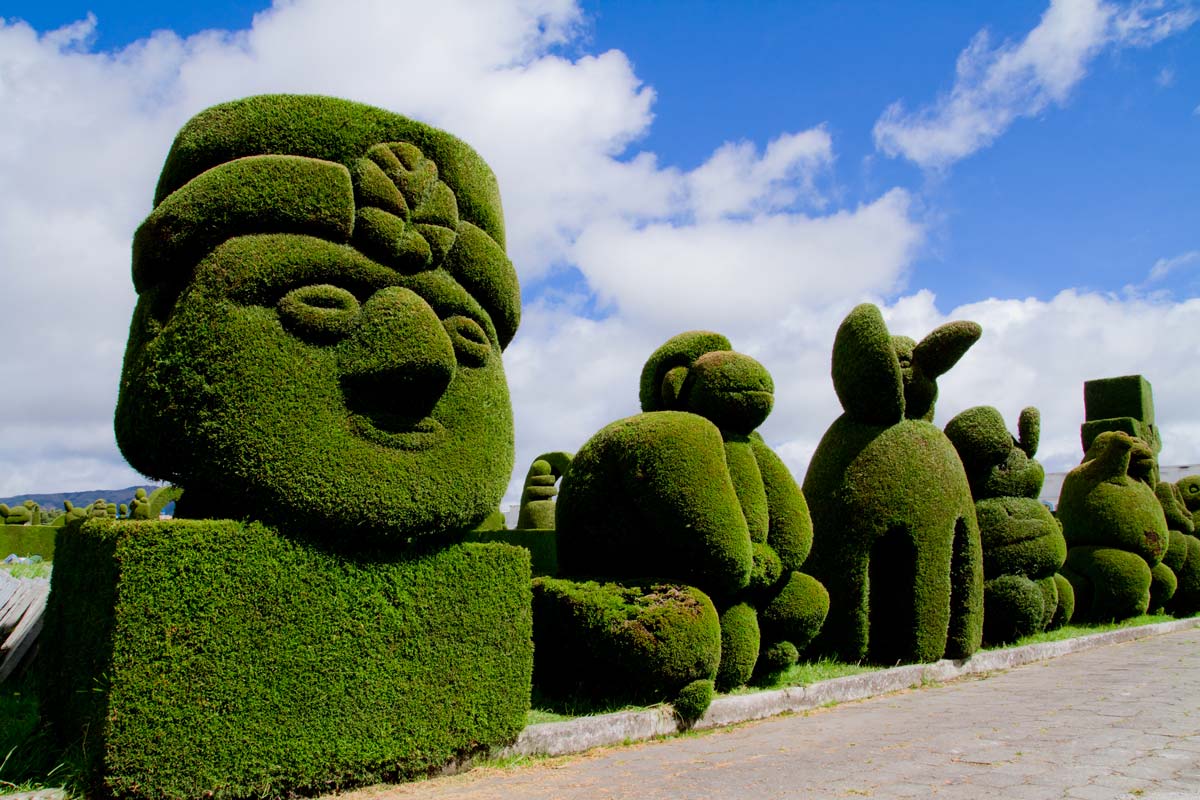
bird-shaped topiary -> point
(1023, 545)
(688, 492)
(895, 537)
(1114, 526)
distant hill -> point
(79, 499)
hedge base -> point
(219, 659)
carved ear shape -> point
(672, 386)
(1029, 430)
(866, 372)
(945, 345)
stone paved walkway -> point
(1121, 721)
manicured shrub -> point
(323, 299)
(1189, 491)
(1065, 611)
(632, 643)
(1183, 558)
(1163, 584)
(1125, 404)
(1019, 535)
(1108, 584)
(1013, 606)
(240, 663)
(688, 491)
(740, 640)
(693, 700)
(537, 498)
(896, 541)
(28, 540)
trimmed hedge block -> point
(219, 659)
(28, 540)
(541, 544)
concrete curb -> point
(584, 733)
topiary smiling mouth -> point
(395, 430)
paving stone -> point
(1101, 724)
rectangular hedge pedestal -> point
(216, 658)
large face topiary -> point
(323, 300)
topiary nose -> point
(398, 359)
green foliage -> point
(997, 464)
(221, 659)
(1108, 584)
(687, 491)
(323, 298)
(895, 539)
(541, 544)
(1170, 497)
(537, 497)
(740, 640)
(797, 611)
(1163, 584)
(634, 643)
(1183, 558)
(1189, 491)
(28, 540)
(1107, 501)
(775, 659)
(1020, 536)
(693, 700)
(651, 494)
(1065, 611)
(1123, 404)
(678, 351)
(1013, 606)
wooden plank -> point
(24, 635)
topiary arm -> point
(790, 531)
(866, 372)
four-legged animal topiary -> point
(896, 541)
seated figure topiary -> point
(315, 355)
(895, 538)
(1023, 545)
(689, 492)
(537, 496)
(1114, 526)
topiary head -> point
(998, 464)
(881, 379)
(323, 300)
(699, 371)
(1189, 490)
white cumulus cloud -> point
(994, 86)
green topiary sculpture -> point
(1023, 545)
(688, 492)
(895, 535)
(1114, 527)
(323, 298)
(537, 498)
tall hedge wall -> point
(219, 659)
(27, 540)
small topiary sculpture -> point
(688, 492)
(1023, 545)
(323, 299)
(537, 498)
(1189, 492)
(895, 538)
(1114, 526)
(27, 513)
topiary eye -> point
(320, 312)
(471, 344)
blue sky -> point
(1038, 172)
